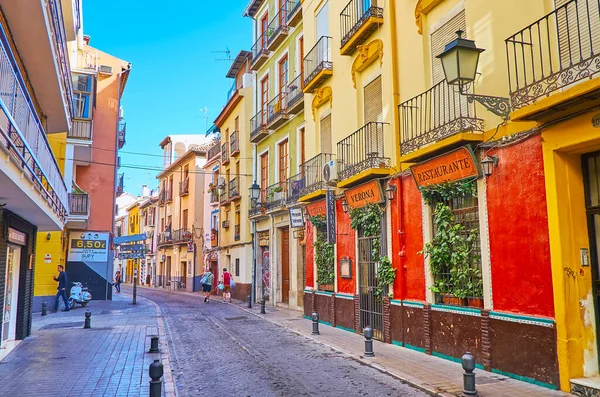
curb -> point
(360, 359)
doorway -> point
(285, 265)
(11, 293)
(183, 275)
(371, 303)
(214, 268)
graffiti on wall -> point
(266, 273)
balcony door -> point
(264, 175)
(373, 112)
(264, 99)
(322, 26)
(283, 68)
(326, 145)
(264, 26)
(283, 162)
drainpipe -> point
(402, 253)
(395, 78)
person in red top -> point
(226, 285)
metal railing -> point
(259, 48)
(555, 51)
(166, 237)
(181, 235)
(120, 184)
(313, 173)
(276, 107)
(79, 204)
(435, 114)
(318, 59)
(235, 142)
(184, 187)
(121, 133)
(257, 124)
(81, 129)
(167, 196)
(294, 91)
(57, 28)
(355, 14)
(278, 24)
(362, 150)
(255, 207)
(295, 184)
(21, 132)
(214, 151)
(225, 152)
(233, 188)
(275, 195)
(236, 233)
(87, 59)
(292, 7)
(223, 195)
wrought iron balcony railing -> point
(184, 187)
(233, 189)
(295, 184)
(277, 108)
(313, 173)
(214, 151)
(165, 238)
(278, 28)
(81, 129)
(121, 134)
(255, 207)
(223, 196)
(260, 52)
(258, 127)
(557, 50)
(436, 114)
(166, 196)
(22, 133)
(182, 235)
(294, 12)
(236, 233)
(317, 64)
(235, 143)
(225, 224)
(79, 204)
(276, 195)
(362, 150)
(225, 153)
(353, 18)
(295, 95)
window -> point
(442, 36)
(283, 161)
(82, 95)
(283, 74)
(171, 184)
(301, 56)
(184, 219)
(326, 134)
(322, 23)
(282, 13)
(162, 223)
(373, 101)
(264, 24)
(264, 98)
(264, 174)
(186, 172)
(214, 221)
(237, 267)
(237, 124)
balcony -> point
(553, 54)
(438, 113)
(82, 129)
(278, 29)
(258, 127)
(40, 196)
(358, 20)
(225, 224)
(79, 211)
(295, 184)
(318, 66)
(276, 196)
(214, 151)
(86, 60)
(236, 233)
(260, 53)
(295, 96)
(214, 196)
(234, 193)
(277, 111)
(256, 209)
(223, 196)
(294, 12)
(235, 143)
(165, 197)
(184, 187)
(80, 135)
(165, 238)
(121, 135)
(120, 184)
(225, 153)
(362, 156)
(314, 184)
(181, 236)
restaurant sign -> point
(318, 208)
(454, 166)
(369, 193)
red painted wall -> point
(518, 230)
(346, 246)
(310, 255)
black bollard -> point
(315, 323)
(262, 306)
(135, 289)
(368, 332)
(44, 308)
(249, 301)
(154, 344)
(468, 364)
(156, 372)
(88, 319)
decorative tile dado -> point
(465, 311)
(584, 391)
(415, 305)
(367, 54)
(542, 322)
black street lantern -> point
(488, 163)
(390, 191)
(459, 60)
(254, 192)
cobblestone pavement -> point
(63, 359)
(220, 350)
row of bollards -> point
(88, 319)
(156, 370)
(468, 361)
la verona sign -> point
(450, 167)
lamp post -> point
(488, 163)
(459, 61)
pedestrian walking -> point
(207, 281)
(117, 283)
(63, 281)
(226, 285)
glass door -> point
(11, 289)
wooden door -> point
(264, 175)
(264, 99)
(285, 265)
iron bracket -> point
(498, 105)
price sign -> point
(88, 247)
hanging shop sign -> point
(16, 237)
(330, 204)
(296, 217)
(369, 193)
(190, 246)
(88, 247)
(132, 247)
(263, 239)
(132, 255)
(454, 166)
(318, 208)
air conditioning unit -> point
(105, 70)
(221, 181)
(330, 173)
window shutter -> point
(578, 25)
(373, 101)
(326, 135)
(442, 36)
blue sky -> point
(174, 73)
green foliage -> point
(324, 252)
(319, 222)
(444, 192)
(451, 253)
(368, 218)
(386, 276)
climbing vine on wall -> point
(324, 252)
(446, 191)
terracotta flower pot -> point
(476, 302)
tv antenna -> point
(227, 53)
(205, 111)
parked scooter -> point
(79, 294)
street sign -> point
(132, 255)
(130, 239)
(296, 217)
(132, 247)
(330, 205)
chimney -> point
(145, 191)
(86, 39)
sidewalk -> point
(437, 376)
(61, 358)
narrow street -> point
(218, 349)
